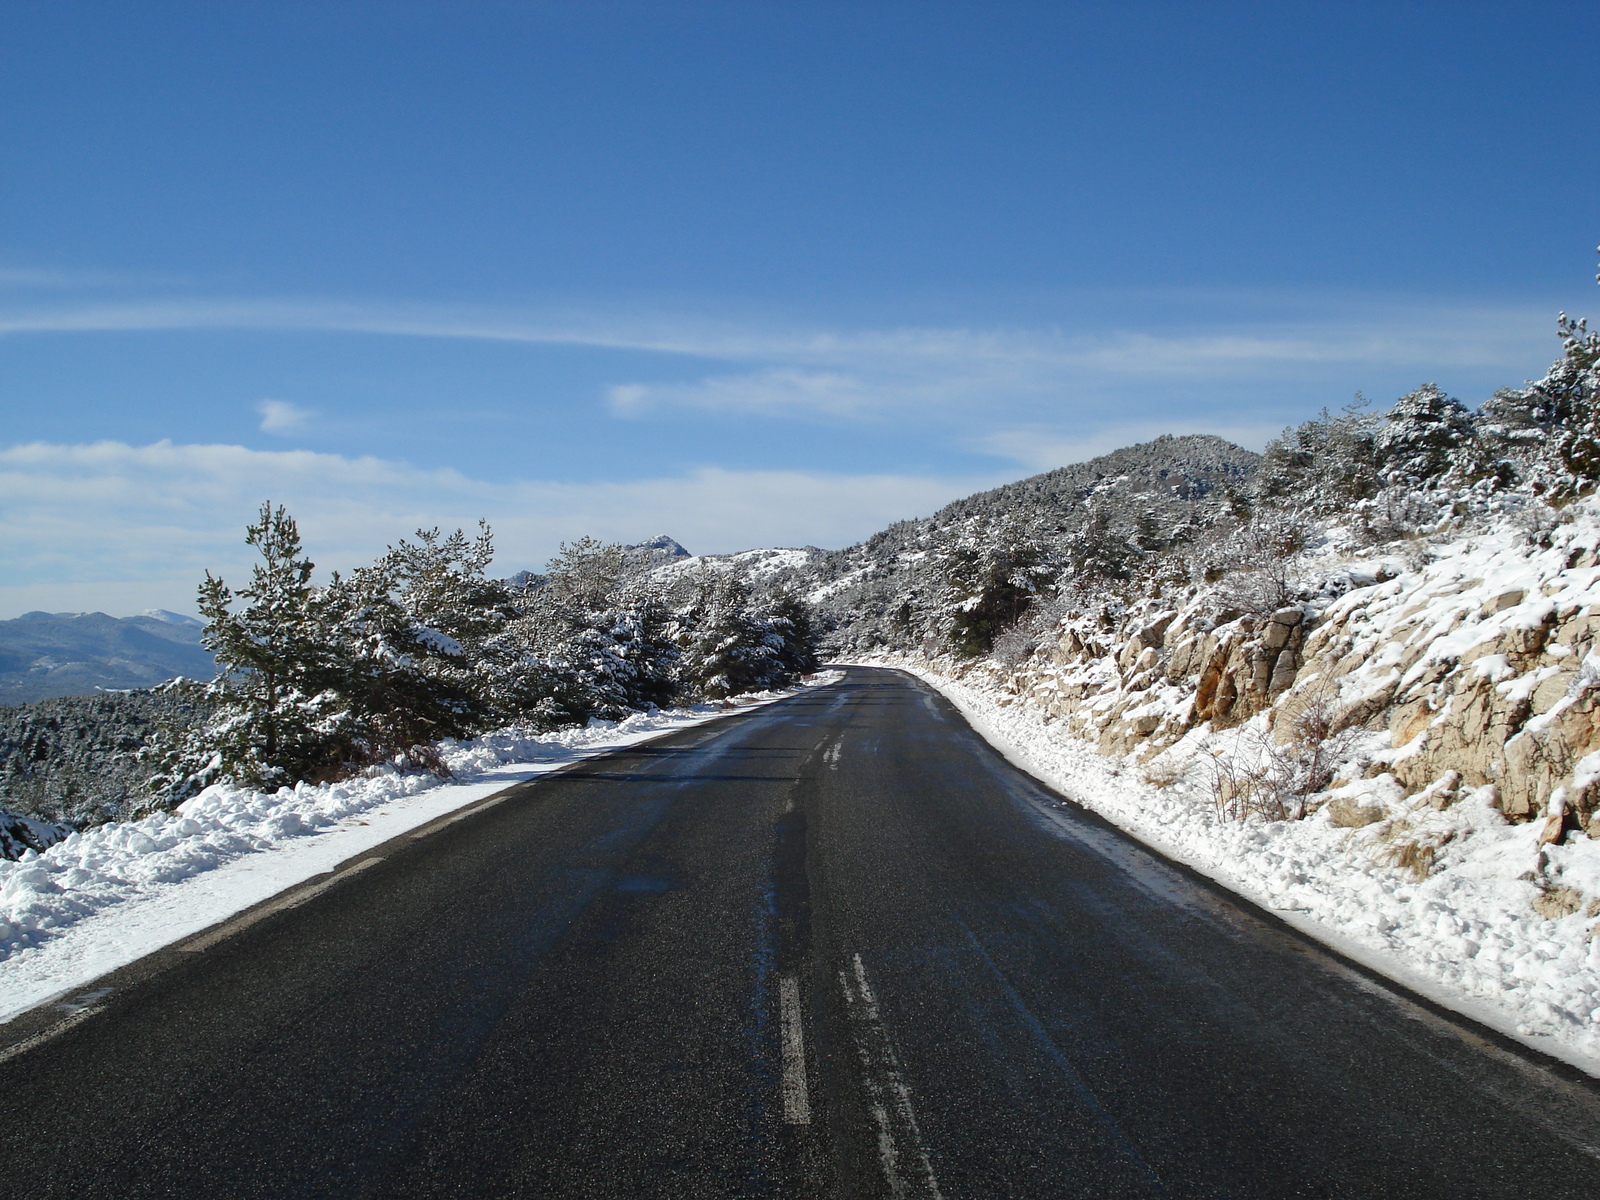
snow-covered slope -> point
(762, 567)
(1436, 721)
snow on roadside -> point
(105, 897)
(1466, 936)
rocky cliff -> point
(1444, 665)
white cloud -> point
(122, 528)
(280, 416)
(768, 393)
(56, 279)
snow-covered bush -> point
(318, 682)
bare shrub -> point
(1015, 646)
(1396, 514)
(1274, 775)
(1021, 640)
(1537, 521)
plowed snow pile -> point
(102, 898)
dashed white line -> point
(889, 1099)
(796, 1096)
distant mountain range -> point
(43, 655)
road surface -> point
(831, 947)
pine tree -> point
(402, 686)
(1572, 389)
(790, 620)
(273, 661)
(1323, 465)
(724, 649)
(585, 576)
(990, 574)
(1427, 436)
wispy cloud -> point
(125, 527)
(777, 392)
(1386, 332)
(61, 280)
(282, 417)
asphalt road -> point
(832, 947)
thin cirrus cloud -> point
(124, 527)
(1390, 333)
(777, 392)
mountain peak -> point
(662, 544)
(170, 617)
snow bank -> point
(1467, 935)
(103, 898)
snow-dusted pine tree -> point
(274, 666)
(724, 648)
(1426, 436)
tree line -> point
(317, 681)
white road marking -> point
(889, 1099)
(288, 902)
(796, 1096)
(831, 755)
(56, 1030)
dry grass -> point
(1415, 856)
(1161, 773)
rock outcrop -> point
(1478, 669)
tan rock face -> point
(1474, 684)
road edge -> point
(53, 1015)
(1471, 1019)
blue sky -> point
(744, 273)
